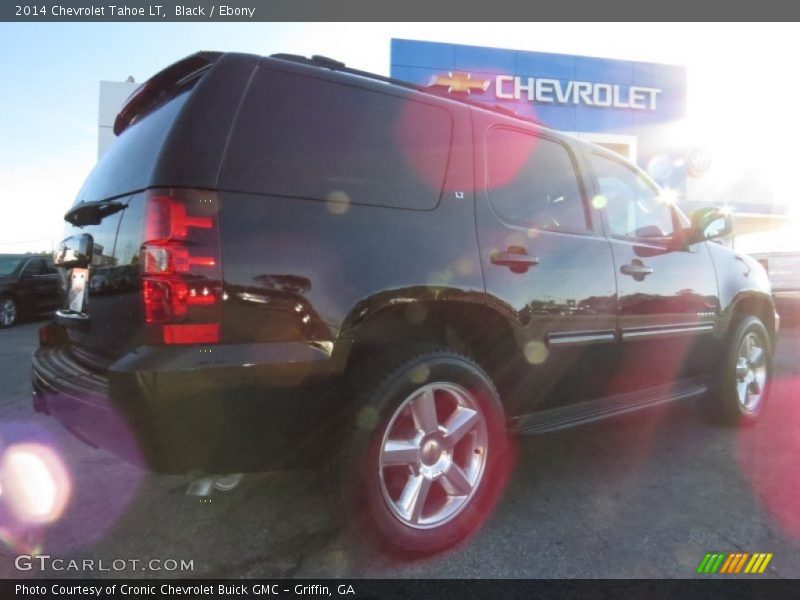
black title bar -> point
(393, 10)
(393, 589)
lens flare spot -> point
(767, 454)
(660, 167)
(367, 418)
(600, 202)
(441, 278)
(338, 561)
(23, 540)
(516, 238)
(536, 352)
(420, 374)
(504, 165)
(416, 313)
(338, 202)
(35, 483)
(465, 266)
(668, 196)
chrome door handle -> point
(515, 259)
(637, 270)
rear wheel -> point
(745, 375)
(8, 311)
(423, 460)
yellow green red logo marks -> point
(733, 563)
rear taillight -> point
(180, 264)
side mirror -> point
(74, 252)
(708, 224)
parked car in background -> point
(323, 266)
(783, 269)
(29, 284)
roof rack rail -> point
(334, 65)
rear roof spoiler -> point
(163, 84)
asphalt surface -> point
(645, 495)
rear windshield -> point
(128, 165)
(309, 138)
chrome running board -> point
(579, 413)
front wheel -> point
(8, 311)
(744, 378)
(424, 459)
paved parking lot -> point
(645, 495)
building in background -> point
(637, 109)
(112, 96)
(629, 107)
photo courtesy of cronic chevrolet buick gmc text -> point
(304, 264)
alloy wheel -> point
(751, 372)
(8, 312)
(433, 455)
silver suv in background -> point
(783, 269)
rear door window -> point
(304, 137)
(532, 182)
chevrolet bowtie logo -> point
(460, 82)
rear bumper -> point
(221, 409)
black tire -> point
(359, 488)
(724, 404)
(8, 303)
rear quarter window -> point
(532, 182)
(304, 137)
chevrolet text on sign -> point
(550, 91)
(554, 91)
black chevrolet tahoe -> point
(303, 264)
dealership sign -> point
(553, 91)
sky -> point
(741, 89)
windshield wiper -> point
(92, 213)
